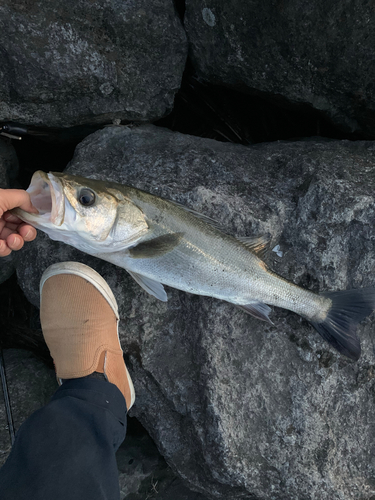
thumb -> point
(13, 198)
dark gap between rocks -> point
(229, 115)
(180, 7)
(19, 322)
(49, 150)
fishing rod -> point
(8, 408)
(17, 131)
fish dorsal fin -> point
(200, 216)
(258, 310)
(156, 247)
(257, 244)
(150, 286)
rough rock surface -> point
(66, 63)
(318, 53)
(144, 474)
(239, 408)
(8, 172)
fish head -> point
(91, 215)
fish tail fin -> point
(348, 309)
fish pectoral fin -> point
(156, 246)
(150, 286)
(258, 310)
(257, 244)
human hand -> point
(14, 232)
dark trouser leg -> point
(66, 450)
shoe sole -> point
(99, 283)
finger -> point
(27, 232)
(9, 217)
(12, 198)
(11, 226)
(6, 232)
(4, 249)
(14, 242)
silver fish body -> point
(160, 242)
(206, 261)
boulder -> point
(8, 164)
(144, 474)
(66, 63)
(8, 173)
(240, 408)
(319, 54)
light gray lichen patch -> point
(106, 88)
(208, 17)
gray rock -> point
(320, 53)
(143, 474)
(239, 408)
(67, 63)
(137, 460)
(7, 267)
(8, 164)
(30, 385)
(8, 172)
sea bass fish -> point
(160, 242)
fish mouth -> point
(47, 195)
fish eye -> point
(86, 197)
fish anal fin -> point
(258, 244)
(156, 247)
(150, 286)
(258, 310)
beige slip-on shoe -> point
(79, 318)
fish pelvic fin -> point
(258, 310)
(348, 308)
(150, 286)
